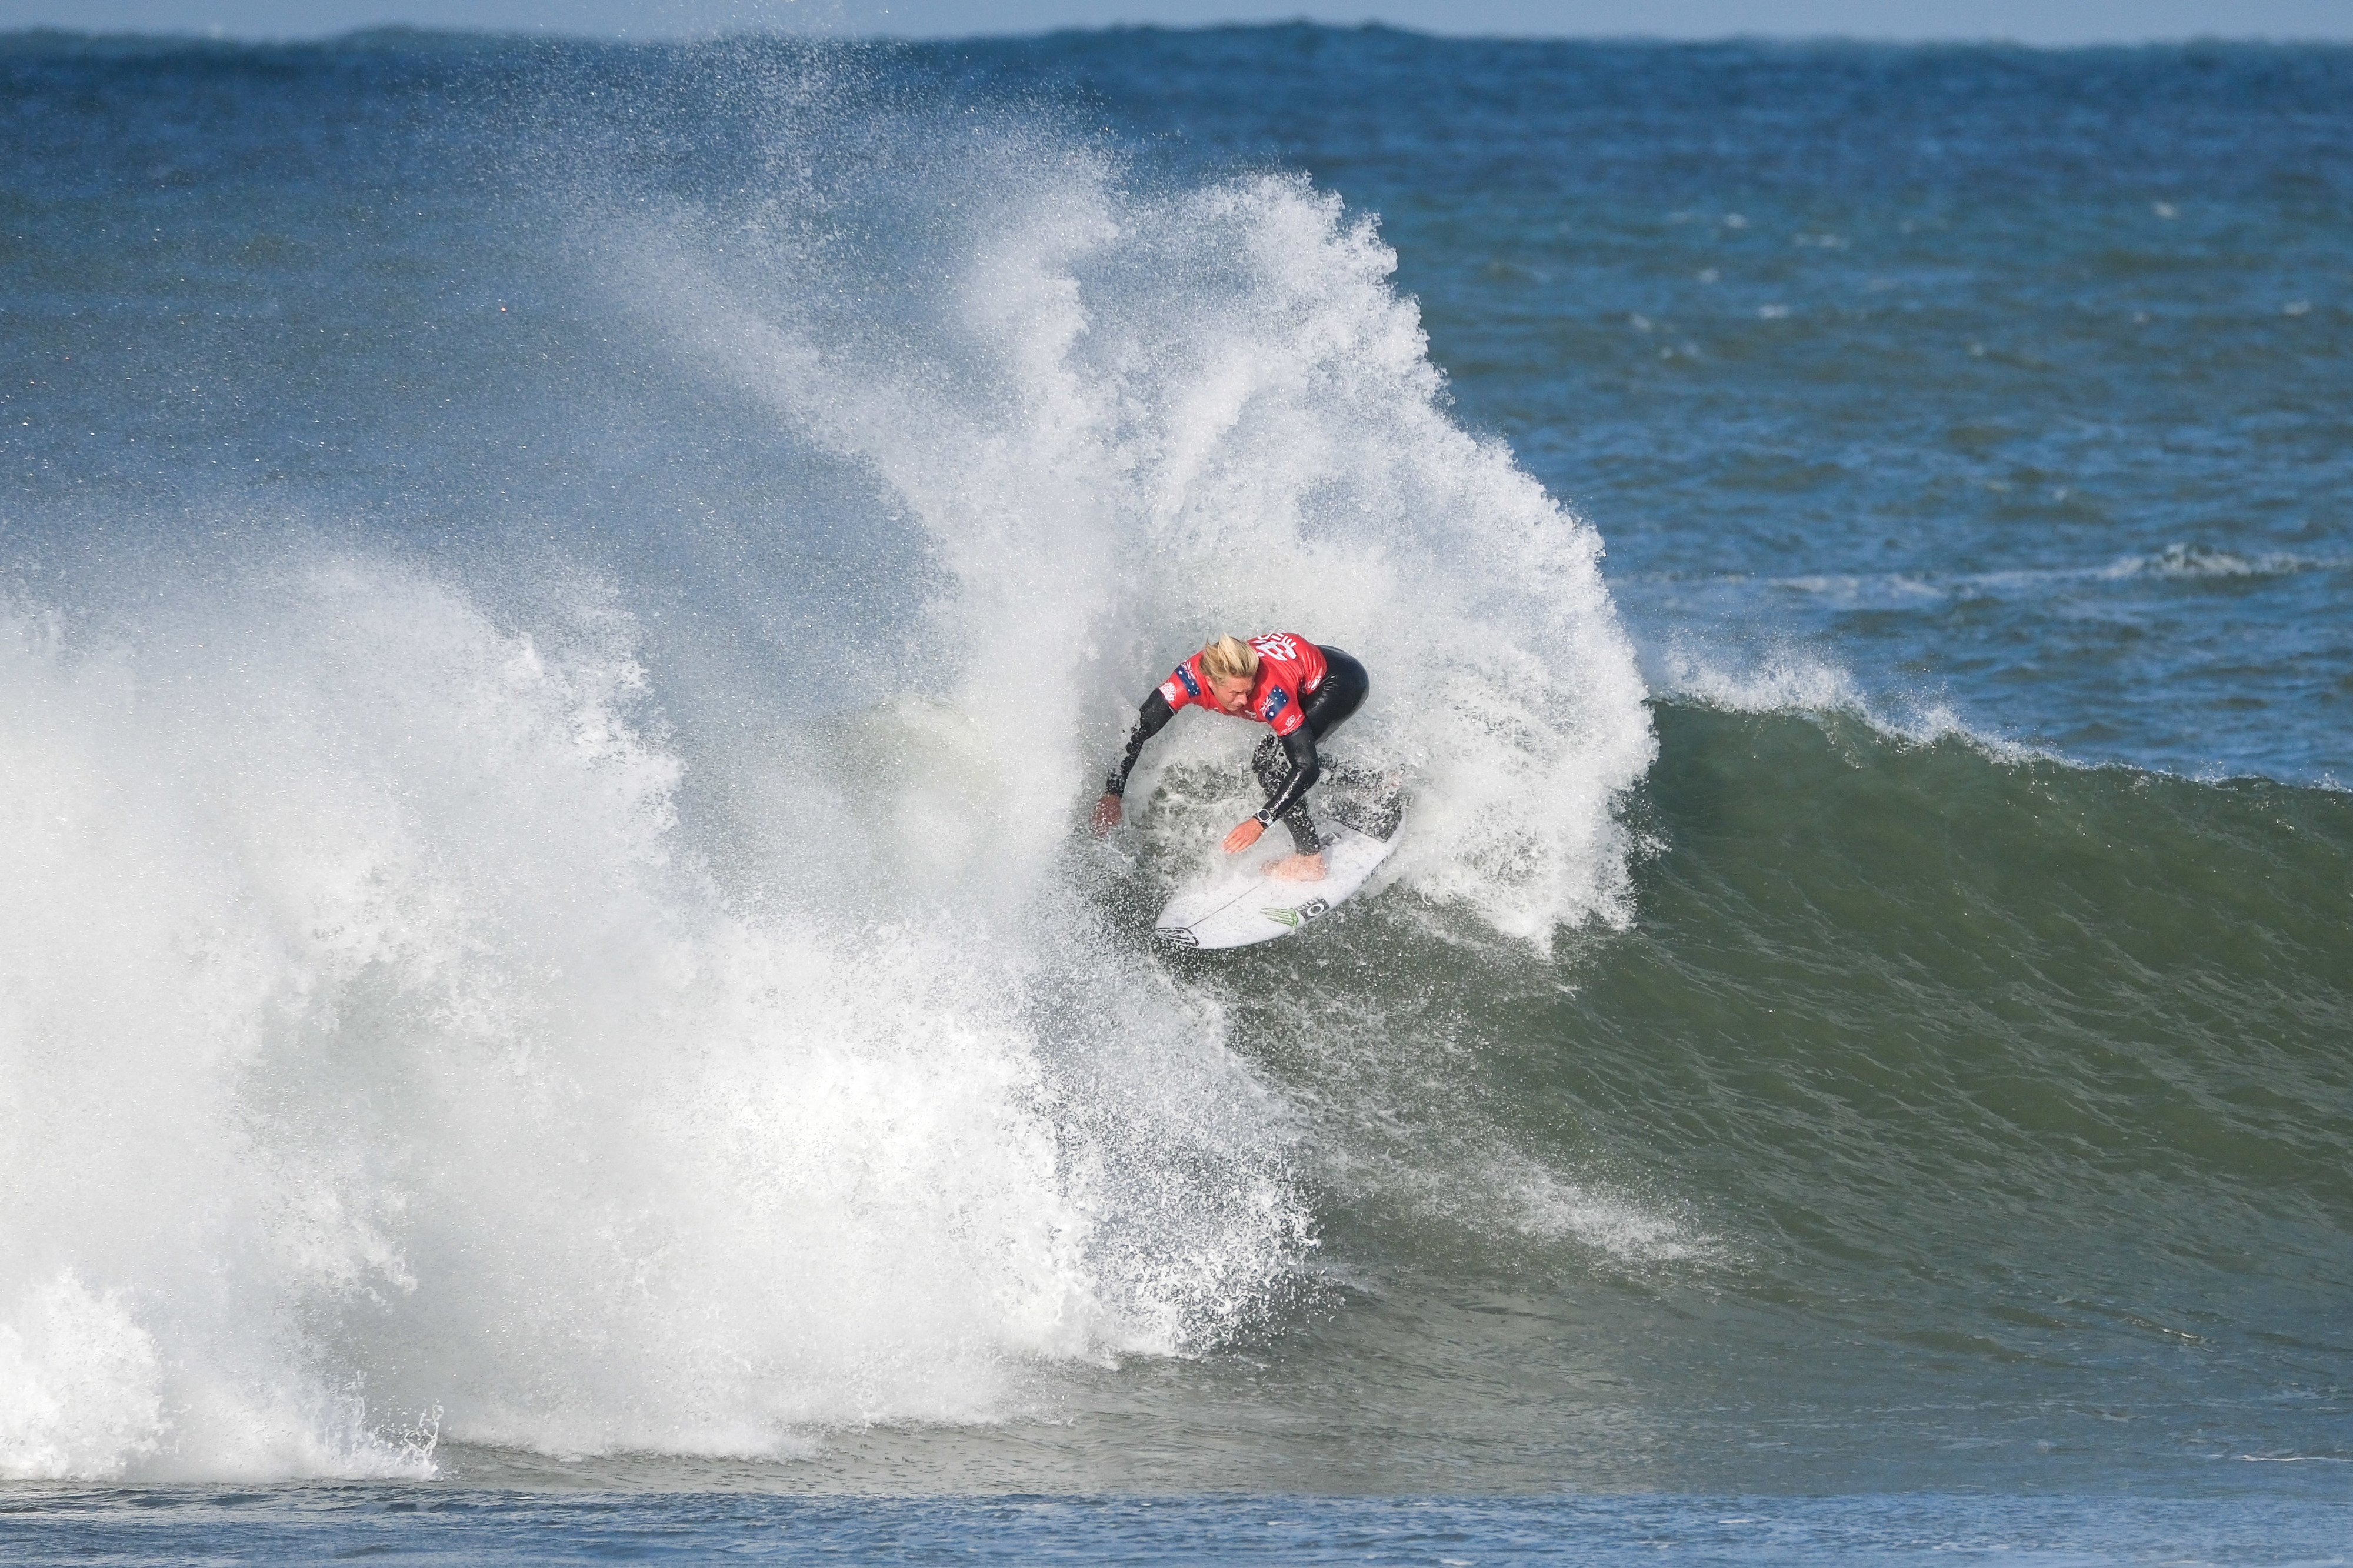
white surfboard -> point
(1245, 905)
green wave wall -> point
(1943, 1117)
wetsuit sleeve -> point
(1300, 746)
(1149, 720)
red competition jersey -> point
(1289, 669)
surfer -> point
(1301, 690)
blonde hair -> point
(1228, 657)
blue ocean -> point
(563, 606)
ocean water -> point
(562, 606)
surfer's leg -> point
(1346, 684)
(1341, 693)
(1271, 763)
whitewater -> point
(466, 995)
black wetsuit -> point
(1285, 765)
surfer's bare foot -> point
(1298, 868)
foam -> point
(2193, 561)
(80, 1388)
(1780, 680)
(1150, 417)
(393, 1069)
(1537, 1202)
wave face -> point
(2069, 1029)
(1944, 1117)
(553, 655)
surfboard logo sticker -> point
(1293, 916)
(1181, 935)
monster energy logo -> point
(1306, 912)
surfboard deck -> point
(1244, 905)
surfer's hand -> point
(1106, 816)
(1243, 837)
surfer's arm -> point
(1149, 721)
(1300, 747)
